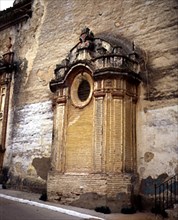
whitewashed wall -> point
(157, 134)
(30, 136)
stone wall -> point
(137, 21)
(45, 39)
(152, 25)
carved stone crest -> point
(86, 39)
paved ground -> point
(12, 210)
(114, 216)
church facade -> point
(89, 99)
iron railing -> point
(166, 194)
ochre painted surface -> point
(79, 139)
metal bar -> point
(171, 202)
(159, 196)
(155, 200)
(167, 199)
(167, 181)
(163, 198)
(174, 189)
(166, 194)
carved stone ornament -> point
(105, 57)
(96, 90)
(86, 39)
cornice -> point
(102, 57)
(16, 14)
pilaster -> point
(58, 153)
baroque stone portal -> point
(94, 136)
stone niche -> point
(93, 159)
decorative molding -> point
(75, 87)
(58, 100)
(99, 93)
(16, 14)
(106, 59)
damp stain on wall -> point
(148, 156)
(147, 185)
(42, 166)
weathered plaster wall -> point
(136, 20)
(144, 23)
(54, 29)
(158, 141)
(31, 138)
(30, 121)
(152, 25)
